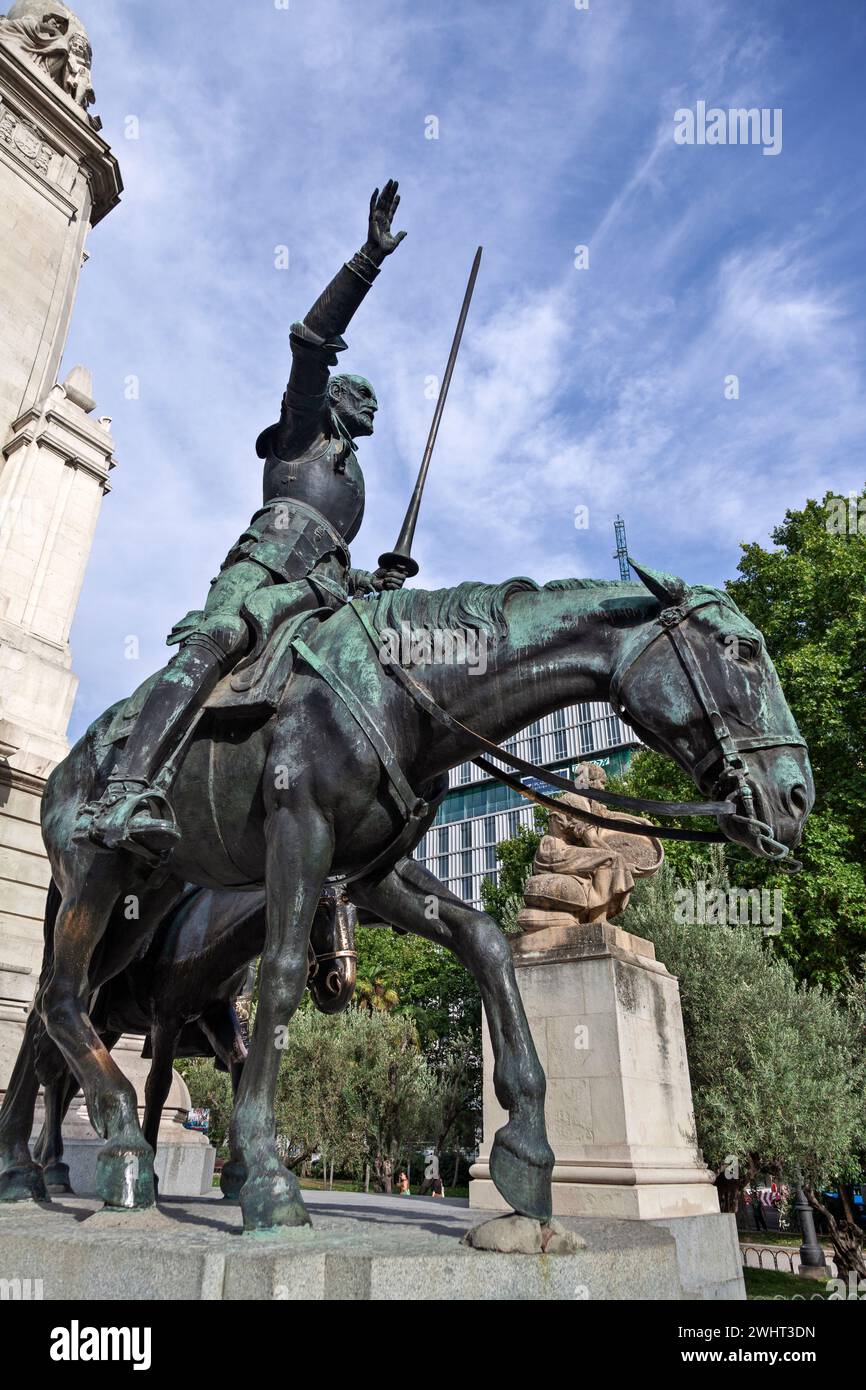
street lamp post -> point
(813, 1265)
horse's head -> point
(700, 687)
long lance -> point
(400, 558)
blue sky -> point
(601, 388)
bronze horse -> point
(181, 994)
(341, 783)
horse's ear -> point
(667, 588)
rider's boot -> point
(132, 813)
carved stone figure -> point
(54, 40)
(42, 40)
(76, 78)
(583, 872)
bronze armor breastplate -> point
(331, 481)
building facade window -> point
(560, 743)
(535, 754)
(613, 734)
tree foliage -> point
(358, 1089)
(808, 597)
(504, 898)
(432, 988)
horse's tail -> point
(52, 907)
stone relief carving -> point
(25, 139)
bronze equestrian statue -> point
(331, 776)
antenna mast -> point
(621, 552)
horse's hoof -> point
(124, 1176)
(272, 1201)
(523, 1180)
(56, 1177)
(22, 1182)
(232, 1179)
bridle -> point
(727, 748)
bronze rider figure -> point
(313, 505)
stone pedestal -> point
(359, 1247)
(606, 1020)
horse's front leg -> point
(298, 856)
(93, 883)
(521, 1160)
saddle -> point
(253, 687)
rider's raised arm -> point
(318, 338)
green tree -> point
(388, 1089)
(808, 597)
(504, 898)
(433, 989)
(313, 1103)
(209, 1089)
(375, 994)
(455, 1114)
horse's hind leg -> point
(20, 1177)
(521, 1160)
(48, 1149)
(163, 1040)
(221, 1026)
(60, 1089)
(125, 1164)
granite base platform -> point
(360, 1247)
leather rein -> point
(727, 748)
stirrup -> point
(142, 822)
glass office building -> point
(478, 812)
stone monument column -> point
(58, 179)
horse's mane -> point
(472, 604)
